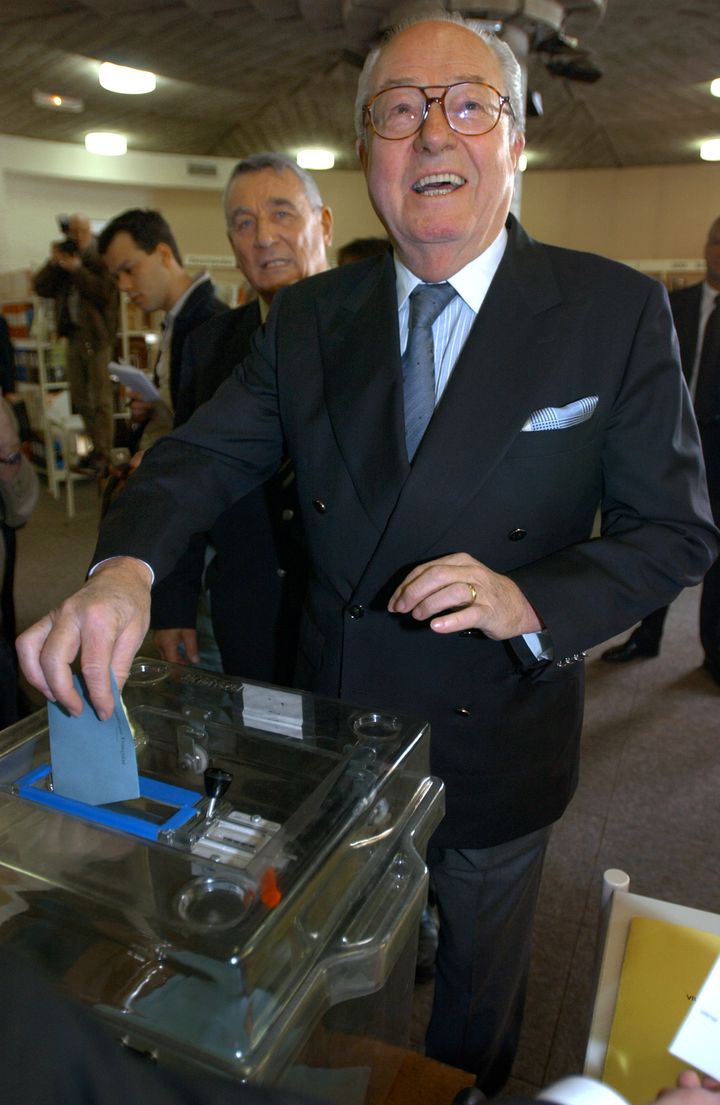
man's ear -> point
(166, 255)
(362, 153)
(326, 218)
(516, 148)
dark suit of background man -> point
(696, 311)
(141, 253)
(279, 230)
(464, 586)
(86, 313)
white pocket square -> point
(561, 418)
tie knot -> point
(427, 301)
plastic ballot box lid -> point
(272, 867)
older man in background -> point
(456, 413)
(279, 230)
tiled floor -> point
(647, 800)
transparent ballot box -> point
(256, 910)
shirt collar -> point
(710, 294)
(172, 314)
(471, 282)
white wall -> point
(39, 180)
(647, 212)
(32, 204)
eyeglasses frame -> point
(429, 100)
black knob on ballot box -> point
(216, 782)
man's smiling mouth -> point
(438, 184)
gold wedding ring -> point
(473, 593)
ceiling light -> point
(129, 82)
(715, 87)
(56, 102)
(522, 162)
(315, 159)
(710, 150)
(106, 143)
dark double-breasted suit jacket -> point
(324, 377)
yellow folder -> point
(664, 967)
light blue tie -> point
(427, 301)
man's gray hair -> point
(279, 163)
(509, 66)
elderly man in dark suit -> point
(696, 311)
(453, 572)
(279, 230)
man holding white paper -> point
(141, 252)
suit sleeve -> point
(656, 534)
(233, 443)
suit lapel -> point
(363, 390)
(507, 358)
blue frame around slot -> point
(184, 801)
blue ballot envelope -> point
(93, 761)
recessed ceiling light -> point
(129, 82)
(55, 102)
(315, 159)
(106, 142)
(710, 150)
(715, 87)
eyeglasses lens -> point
(469, 109)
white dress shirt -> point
(450, 331)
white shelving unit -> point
(48, 403)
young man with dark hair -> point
(141, 253)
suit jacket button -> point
(464, 711)
(288, 515)
(319, 506)
(356, 611)
(517, 534)
(282, 573)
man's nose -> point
(265, 232)
(435, 132)
(123, 281)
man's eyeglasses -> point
(470, 107)
(12, 458)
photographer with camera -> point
(86, 313)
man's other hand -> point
(458, 592)
(178, 646)
(140, 409)
(70, 262)
(105, 622)
(691, 1089)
